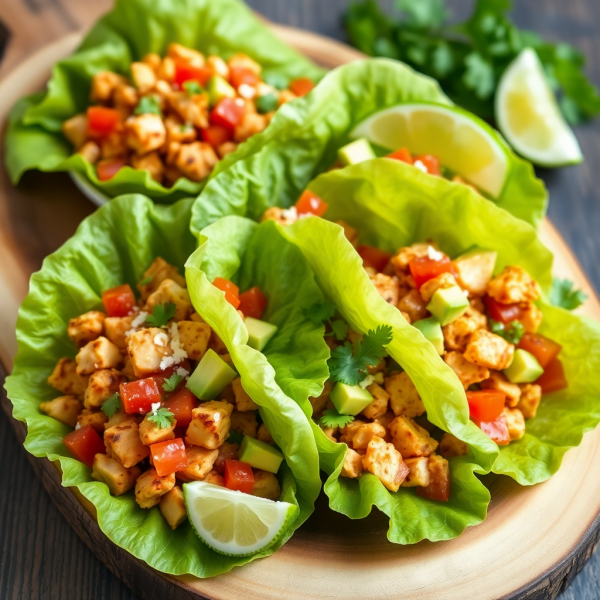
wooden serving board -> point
(533, 543)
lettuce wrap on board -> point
(113, 246)
(127, 33)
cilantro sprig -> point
(323, 312)
(562, 294)
(332, 418)
(162, 417)
(512, 332)
(161, 314)
(112, 405)
(192, 87)
(148, 105)
(172, 382)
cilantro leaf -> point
(563, 294)
(172, 382)
(332, 418)
(161, 314)
(192, 87)
(511, 333)
(163, 417)
(112, 405)
(148, 105)
(339, 328)
(479, 75)
(235, 437)
(318, 313)
(423, 13)
(146, 280)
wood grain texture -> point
(69, 569)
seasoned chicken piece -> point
(251, 124)
(196, 160)
(178, 131)
(143, 76)
(94, 418)
(150, 487)
(210, 424)
(286, 96)
(365, 433)
(151, 433)
(531, 317)
(242, 61)
(75, 130)
(266, 485)
(126, 97)
(147, 348)
(405, 255)
(352, 234)
(123, 443)
(451, 446)
(457, 333)
(187, 55)
(200, 463)
(98, 354)
(153, 60)
(114, 145)
(418, 472)
(473, 273)
(513, 285)
(243, 402)
(194, 338)
(115, 329)
(404, 398)
(111, 472)
(214, 478)
(385, 462)
(379, 406)
(497, 381)
(122, 418)
(353, 465)
(412, 304)
(319, 404)
(349, 431)
(169, 291)
(104, 84)
(385, 420)
(280, 215)
(227, 148)
(64, 409)
(145, 133)
(489, 350)
(65, 378)
(127, 371)
(411, 439)
(531, 394)
(155, 274)
(102, 385)
(172, 507)
(387, 287)
(331, 433)
(244, 423)
(166, 71)
(467, 372)
(150, 162)
(515, 421)
(441, 282)
(264, 435)
(439, 476)
(190, 108)
(218, 66)
(90, 152)
(226, 451)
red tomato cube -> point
(231, 290)
(553, 378)
(228, 113)
(102, 121)
(496, 430)
(107, 168)
(118, 301)
(84, 444)
(216, 135)
(486, 405)
(301, 86)
(431, 163)
(239, 476)
(403, 155)
(168, 457)
(424, 268)
(543, 348)
(253, 303)
(374, 257)
(139, 396)
(503, 313)
(311, 204)
(239, 75)
(181, 404)
(186, 72)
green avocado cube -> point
(475, 269)
(524, 368)
(218, 89)
(432, 331)
(259, 332)
(260, 455)
(448, 304)
(211, 377)
(350, 399)
(356, 152)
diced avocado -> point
(448, 304)
(356, 152)
(475, 269)
(350, 399)
(259, 332)
(218, 89)
(432, 331)
(524, 367)
(260, 455)
(211, 377)
(267, 103)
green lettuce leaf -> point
(128, 32)
(303, 138)
(114, 246)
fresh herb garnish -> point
(148, 105)
(112, 405)
(161, 314)
(339, 327)
(323, 313)
(146, 280)
(512, 333)
(186, 127)
(267, 103)
(162, 417)
(562, 294)
(332, 418)
(235, 437)
(348, 364)
(192, 87)
(172, 382)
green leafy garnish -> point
(163, 417)
(172, 382)
(235, 437)
(148, 105)
(192, 87)
(146, 280)
(112, 405)
(339, 328)
(512, 333)
(348, 364)
(267, 103)
(161, 314)
(186, 127)
(332, 418)
(562, 294)
(319, 313)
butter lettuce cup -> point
(151, 402)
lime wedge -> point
(464, 143)
(234, 523)
(529, 117)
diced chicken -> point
(111, 472)
(210, 424)
(143, 76)
(226, 451)
(169, 291)
(264, 435)
(387, 287)
(115, 329)
(155, 274)
(441, 282)
(227, 148)
(214, 478)
(487, 349)
(353, 465)
(405, 255)
(126, 97)
(86, 327)
(531, 395)
(151, 487)
(386, 419)
(457, 333)
(178, 131)
(127, 371)
(217, 344)
(379, 406)
(122, 418)
(244, 423)
(531, 317)
(515, 421)
(497, 381)
(320, 402)
(439, 476)
(94, 418)
(145, 133)
(104, 84)
(64, 409)
(65, 378)
(123, 443)
(385, 462)
(166, 71)
(349, 431)
(114, 145)
(352, 234)
(412, 304)
(513, 285)
(251, 124)
(451, 446)
(187, 55)
(280, 215)
(467, 372)
(153, 60)
(191, 108)
(418, 472)
(194, 338)
(243, 402)
(145, 354)
(410, 439)
(365, 433)
(75, 130)
(102, 385)
(331, 433)
(404, 397)
(151, 433)
(172, 507)
(218, 66)
(200, 463)
(195, 160)
(150, 162)
(101, 353)
(266, 485)
(90, 152)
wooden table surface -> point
(40, 556)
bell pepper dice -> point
(311, 204)
(544, 349)
(424, 268)
(553, 379)
(187, 72)
(503, 313)
(231, 291)
(374, 257)
(107, 168)
(228, 113)
(403, 155)
(84, 444)
(215, 135)
(139, 396)
(486, 405)
(169, 456)
(301, 86)
(181, 404)
(102, 121)
(253, 303)
(118, 301)
(496, 430)
(239, 476)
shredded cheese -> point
(291, 214)
(155, 407)
(434, 254)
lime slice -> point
(234, 523)
(463, 143)
(529, 117)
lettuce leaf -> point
(115, 245)
(302, 141)
(128, 32)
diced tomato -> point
(102, 121)
(553, 378)
(436, 490)
(186, 72)
(118, 301)
(311, 204)
(239, 75)
(169, 456)
(374, 257)
(424, 268)
(215, 135)
(181, 404)
(253, 302)
(402, 155)
(107, 168)
(239, 476)
(231, 290)
(503, 313)
(486, 405)
(228, 113)
(543, 348)
(496, 430)
(229, 452)
(431, 163)
(301, 86)
(84, 444)
(139, 396)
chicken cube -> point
(194, 338)
(145, 133)
(489, 350)
(279, 215)
(155, 274)
(200, 463)
(379, 406)
(331, 433)
(497, 381)
(96, 419)
(172, 507)
(467, 372)
(349, 431)
(386, 419)
(418, 472)
(227, 451)
(127, 371)
(352, 234)
(214, 478)
(412, 304)
(114, 145)
(151, 433)
(441, 282)
(111, 472)
(65, 378)
(451, 446)
(75, 130)
(251, 124)
(186, 55)
(404, 397)
(104, 84)
(410, 439)
(385, 462)
(102, 385)
(439, 477)
(473, 273)
(353, 465)
(178, 131)
(98, 354)
(169, 291)
(218, 66)
(531, 394)
(244, 423)
(145, 353)
(196, 160)
(226, 148)
(153, 60)
(64, 409)
(243, 61)
(151, 487)
(123, 443)
(266, 485)
(150, 162)
(405, 255)
(210, 424)
(243, 402)
(457, 333)
(143, 76)
(125, 97)
(320, 402)
(190, 108)
(365, 433)
(122, 418)
(264, 435)
(116, 328)
(531, 317)
(512, 286)
(90, 152)
(387, 287)
(515, 421)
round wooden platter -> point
(532, 544)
